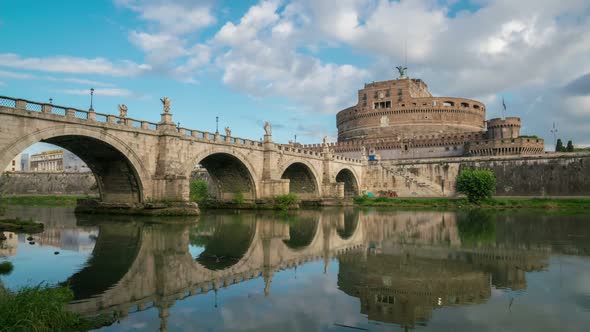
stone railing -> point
(74, 113)
(216, 137)
(310, 151)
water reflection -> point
(401, 266)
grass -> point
(462, 203)
(43, 308)
(41, 200)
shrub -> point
(477, 185)
(199, 191)
(238, 198)
(283, 202)
(6, 268)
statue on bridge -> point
(122, 110)
(267, 128)
(166, 104)
(227, 131)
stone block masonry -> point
(554, 174)
(49, 184)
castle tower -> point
(503, 128)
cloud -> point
(173, 17)
(74, 65)
(109, 92)
(579, 86)
(2, 83)
(25, 76)
(18, 76)
(166, 46)
(262, 59)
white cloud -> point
(109, 92)
(2, 83)
(73, 65)
(18, 76)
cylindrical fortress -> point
(404, 108)
(504, 128)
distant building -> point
(24, 162)
(57, 161)
(14, 165)
(47, 161)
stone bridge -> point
(139, 162)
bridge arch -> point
(350, 180)
(230, 170)
(304, 180)
(119, 172)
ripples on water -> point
(322, 270)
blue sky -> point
(297, 62)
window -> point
(464, 105)
(388, 93)
(406, 147)
(13, 162)
(365, 96)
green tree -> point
(559, 146)
(477, 185)
(199, 191)
(570, 146)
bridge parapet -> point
(74, 113)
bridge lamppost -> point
(217, 125)
(51, 101)
(91, 98)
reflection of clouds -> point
(308, 303)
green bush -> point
(238, 198)
(6, 268)
(477, 185)
(283, 202)
(199, 191)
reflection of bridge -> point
(139, 266)
(402, 265)
(137, 161)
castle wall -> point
(556, 174)
(48, 184)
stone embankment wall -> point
(554, 174)
(48, 184)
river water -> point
(315, 270)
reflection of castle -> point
(9, 246)
(405, 290)
(75, 239)
(421, 264)
(400, 119)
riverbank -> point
(43, 308)
(579, 203)
(50, 200)
(20, 226)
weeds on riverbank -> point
(462, 203)
(285, 202)
(38, 308)
(43, 308)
